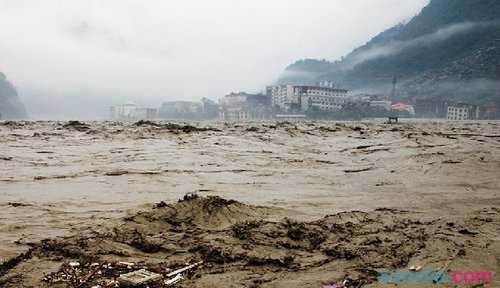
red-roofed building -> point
(402, 107)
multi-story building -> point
(462, 111)
(181, 110)
(293, 98)
(431, 108)
(146, 113)
(123, 112)
(282, 97)
(131, 112)
(210, 109)
(244, 107)
(489, 113)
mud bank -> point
(239, 248)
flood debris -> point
(185, 269)
(175, 128)
(74, 264)
(357, 170)
(452, 162)
(326, 162)
(107, 274)
(138, 278)
(18, 204)
(328, 129)
(466, 231)
(178, 275)
(243, 230)
(252, 129)
(13, 124)
(116, 173)
(173, 281)
(126, 264)
(76, 125)
(415, 268)
(146, 123)
(161, 204)
(118, 274)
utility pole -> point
(393, 92)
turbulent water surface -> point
(59, 178)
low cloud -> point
(298, 77)
(481, 91)
(396, 47)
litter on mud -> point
(415, 268)
(182, 270)
(119, 274)
(138, 278)
(174, 280)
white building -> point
(146, 113)
(301, 98)
(462, 111)
(290, 117)
(234, 114)
(131, 112)
(181, 110)
(123, 112)
(242, 106)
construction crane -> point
(393, 91)
(392, 95)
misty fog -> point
(396, 47)
(74, 59)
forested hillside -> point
(10, 105)
(450, 50)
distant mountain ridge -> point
(451, 50)
(11, 106)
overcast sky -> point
(75, 58)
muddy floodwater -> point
(58, 179)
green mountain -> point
(10, 105)
(451, 51)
